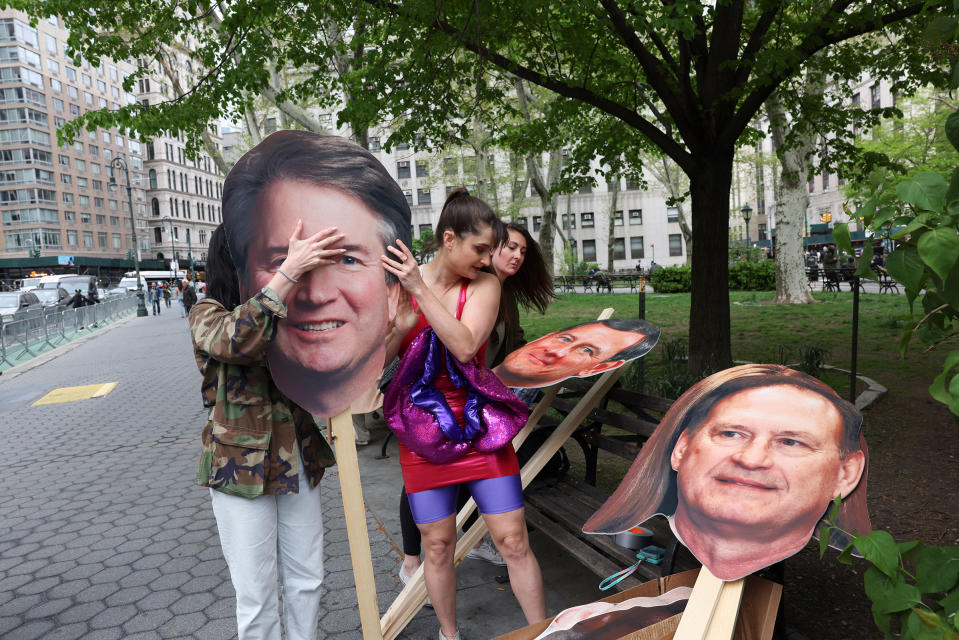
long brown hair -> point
(532, 285)
(464, 214)
(650, 485)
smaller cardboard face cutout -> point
(329, 349)
(608, 621)
(745, 464)
(579, 351)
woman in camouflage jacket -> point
(263, 456)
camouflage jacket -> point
(251, 439)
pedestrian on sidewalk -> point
(156, 295)
(263, 455)
(167, 295)
(189, 296)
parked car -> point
(14, 304)
(49, 298)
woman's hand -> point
(405, 269)
(406, 315)
(306, 254)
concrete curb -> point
(20, 369)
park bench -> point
(558, 505)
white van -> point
(130, 283)
(28, 284)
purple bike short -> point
(493, 495)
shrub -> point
(753, 276)
(672, 279)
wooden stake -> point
(354, 511)
(712, 609)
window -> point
(81, 182)
(67, 197)
(101, 86)
(72, 237)
(63, 160)
(672, 214)
(66, 179)
(617, 218)
(423, 196)
(98, 185)
(537, 222)
(102, 239)
(589, 250)
(632, 184)
(587, 222)
(58, 105)
(84, 217)
(675, 244)
(101, 220)
(114, 220)
(53, 66)
(812, 185)
(94, 150)
(402, 170)
(422, 169)
(449, 166)
(619, 248)
(88, 239)
(521, 221)
(569, 221)
(73, 92)
(636, 216)
(56, 85)
(70, 216)
(374, 144)
(636, 250)
(423, 228)
(409, 196)
(117, 242)
(825, 181)
(762, 231)
(98, 203)
(74, 110)
(113, 73)
(51, 44)
(84, 201)
(874, 96)
(586, 188)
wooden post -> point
(712, 609)
(354, 511)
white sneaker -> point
(442, 636)
(486, 551)
(405, 578)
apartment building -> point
(57, 200)
(183, 193)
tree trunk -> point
(548, 228)
(792, 199)
(709, 343)
(672, 182)
(611, 228)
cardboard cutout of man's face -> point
(579, 351)
(754, 476)
(330, 347)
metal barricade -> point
(34, 331)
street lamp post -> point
(747, 212)
(189, 253)
(173, 261)
(119, 163)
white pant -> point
(267, 541)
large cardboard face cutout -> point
(330, 347)
(579, 351)
(745, 465)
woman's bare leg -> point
(439, 543)
(509, 534)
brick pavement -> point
(103, 534)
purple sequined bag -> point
(419, 415)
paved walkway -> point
(103, 534)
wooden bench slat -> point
(610, 418)
(584, 554)
(617, 447)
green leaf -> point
(880, 549)
(904, 265)
(845, 556)
(928, 618)
(898, 598)
(939, 249)
(904, 341)
(926, 190)
(952, 128)
(938, 569)
(883, 215)
(952, 194)
(823, 540)
(912, 226)
(864, 270)
(867, 211)
(950, 604)
(940, 29)
(938, 389)
(840, 234)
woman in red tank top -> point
(459, 299)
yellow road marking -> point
(72, 394)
